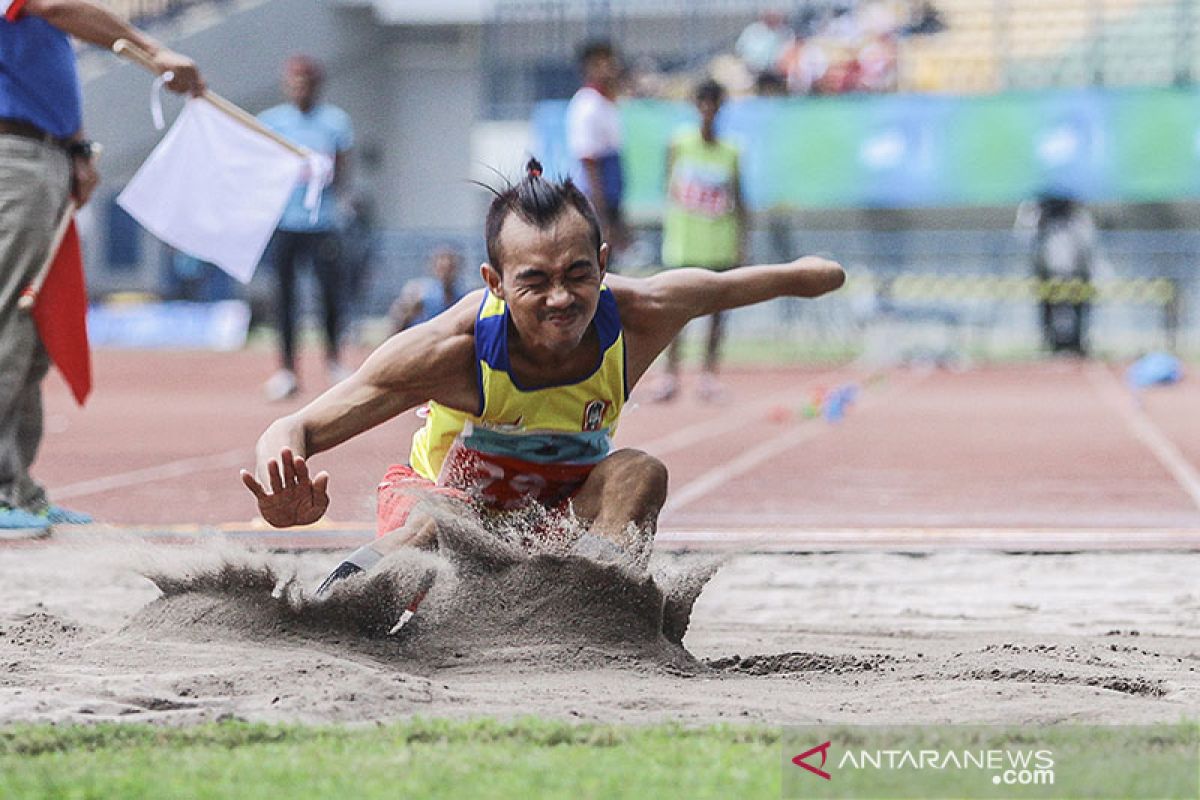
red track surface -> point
(1037, 447)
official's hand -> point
(185, 74)
(294, 498)
(84, 179)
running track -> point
(1038, 455)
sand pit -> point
(773, 639)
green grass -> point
(534, 758)
(417, 759)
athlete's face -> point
(550, 277)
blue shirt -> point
(433, 299)
(38, 81)
(326, 130)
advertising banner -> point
(912, 151)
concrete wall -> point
(433, 74)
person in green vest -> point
(704, 224)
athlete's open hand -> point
(294, 498)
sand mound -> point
(40, 630)
(489, 600)
(786, 663)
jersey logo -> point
(593, 414)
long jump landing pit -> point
(890, 634)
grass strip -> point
(524, 759)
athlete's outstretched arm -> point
(434, 360)
(654, 310)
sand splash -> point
(491, 598)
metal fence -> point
(918, 293)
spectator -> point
(594, 137)
(769, 84)
(763, 41)
(878, 62)
(803, 64)
(45, 161)
(926, 20)
(422, 299)
(704, 223)
(309, 234)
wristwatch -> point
(83, 148)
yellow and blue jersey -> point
(525, 443)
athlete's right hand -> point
(294, 498)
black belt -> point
(27, 130)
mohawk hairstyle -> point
(538, 201)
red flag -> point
(61, 316)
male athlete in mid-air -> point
(524, 382)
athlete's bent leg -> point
(419, 530)
(400, 522)
(622, 499)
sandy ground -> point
(865, 637)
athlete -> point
(523, 381)
(704, 223)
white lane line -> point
(764, 539)
(1146, 431)
(706, 429)
(748, 460)
(171, 469)
(783, 539)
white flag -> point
(214, 189)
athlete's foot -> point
(340, 573)
(410, 610)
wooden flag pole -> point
(29, 294)
(126, 48)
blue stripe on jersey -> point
(585, 447)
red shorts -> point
(399, 492)
(501, 484)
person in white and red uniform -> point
(594, 137)
(45, 160)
